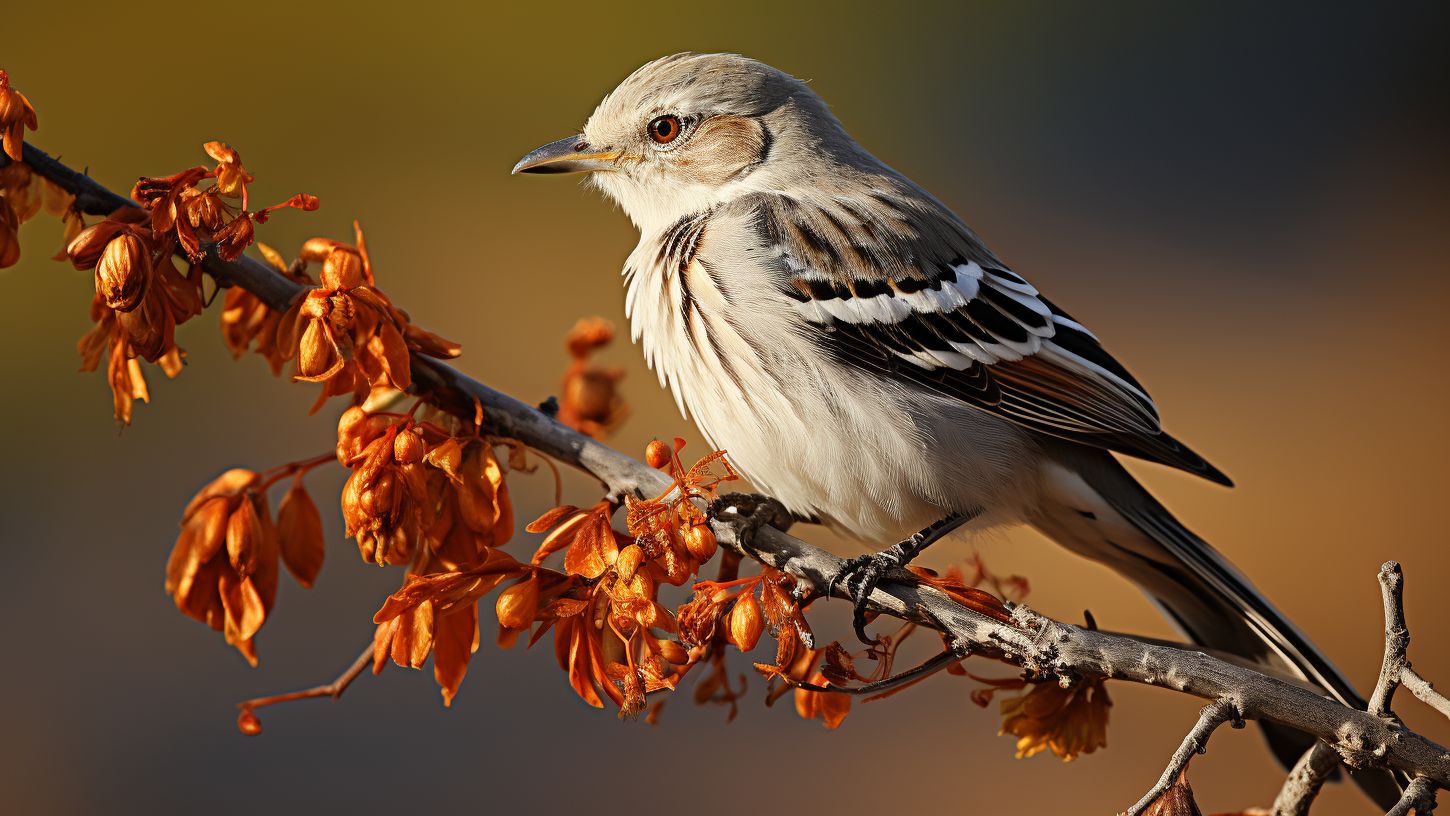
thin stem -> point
(1213, 715)
(298, 468)
(333, 689)
(883, 687)
(1424, 691)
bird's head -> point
(690, 131)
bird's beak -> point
(571, 155)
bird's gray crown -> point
(696, 85)
(735, 115)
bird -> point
(869, 363)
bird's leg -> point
(861, 574)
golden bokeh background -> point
(1248, 204)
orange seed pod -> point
(123, 272)
(629, 561)
(408, 448)
(746, 623)
(248, 724)
(244, 537)
(657, 454)
(700, 541)
(517, 605)
(342, 270)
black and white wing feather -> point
(901, 288)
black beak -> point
(571, 155)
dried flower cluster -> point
(223, 568)
(614, 638)
(590, 402)
(1071, 720)
(23, 194)
(141, 296)
(17, 115)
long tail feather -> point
(1093, 506)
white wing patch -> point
(968, 316)
(1015, 327)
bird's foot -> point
(756, 509)
(860, 575)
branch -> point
(1419, 796)
(1426, 693)
(1305, 779)
(1039, 644)
(1213, 715)
(1397, 640)
(248, 722)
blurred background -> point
(1246, 201)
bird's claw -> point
(757, 509)
(859, 576)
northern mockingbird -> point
(867, 361)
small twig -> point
(1424, 691)
(1213, 715)
(333, 690)
(1419, 796)
(1397, 640)
(885, 685)
(298, 468)
(1307, 777)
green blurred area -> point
(1246, 202)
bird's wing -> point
(893, 283)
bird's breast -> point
(822, 440)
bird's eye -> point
(664, 129)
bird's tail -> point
(1094, 507)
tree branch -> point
(1426, 693)
(1213, 715)
(1041, 645)
(1397, 640)
(1305, 779)
(1419, 796)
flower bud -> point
(657, 454)
(700, 541)
(590, 393)
(244, 537)
(342, 270)
(408, 448)
(517, 605)
(248, 724)
(745, 624)
(356, 429)
(123, 272)
(315, 355)
(629, 560)
(376, 499)
(587, 335)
